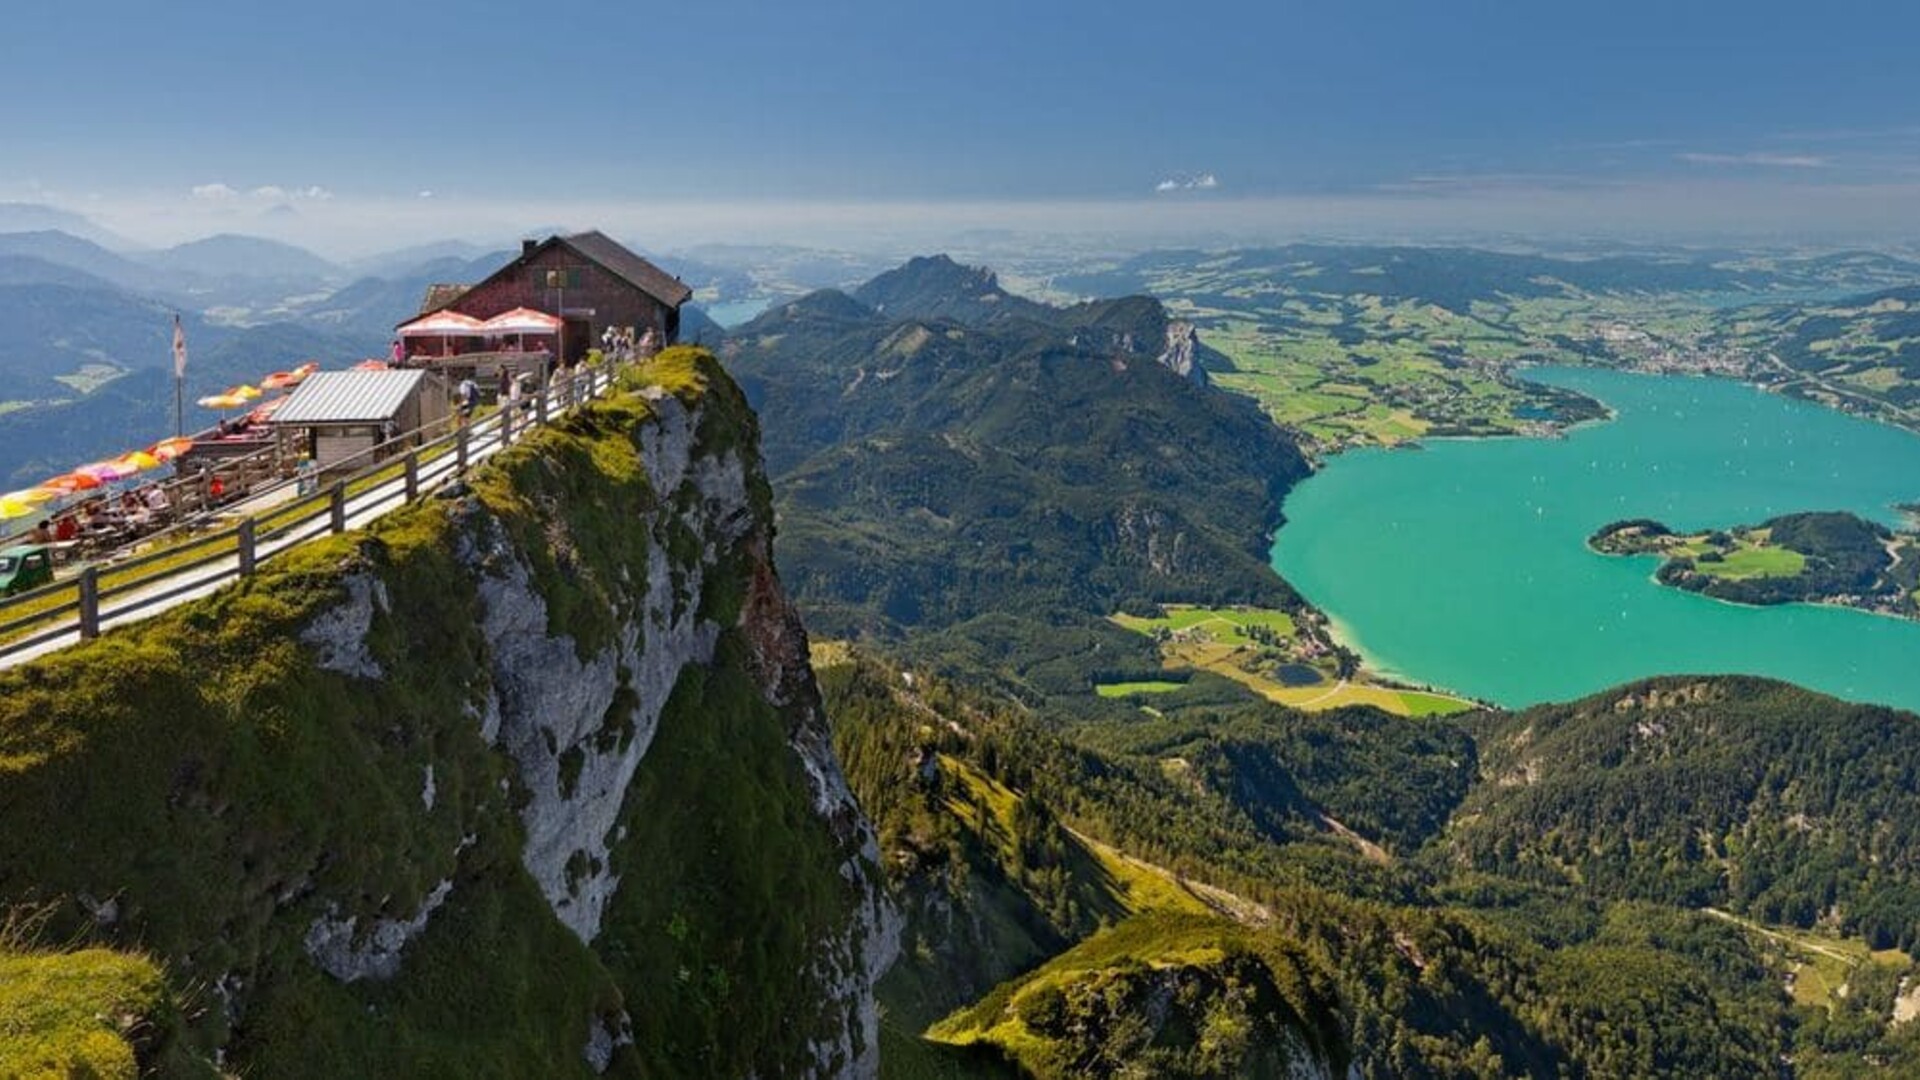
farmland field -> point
(1251, 646)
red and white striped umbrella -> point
(444, 324)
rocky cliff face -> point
(536, 776)
(1181, 356)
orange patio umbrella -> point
(168, 449)
(71, 483)
(287, 380)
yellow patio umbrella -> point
(21, 503)
(138, 460)
(228, 400)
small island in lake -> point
(1821, 557)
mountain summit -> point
(936, 287)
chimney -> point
(527, 246)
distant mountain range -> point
(245, 257)
(1455, 278)
(73, 252)
(88, 347)
(37, 217)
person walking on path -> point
(468, 395)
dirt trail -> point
(1785, 939)
(1367, 847)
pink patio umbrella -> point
(520, 322)
(445, 325)
(107, 471)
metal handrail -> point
(291, 522)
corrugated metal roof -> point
(346, 397)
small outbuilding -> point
(336, 415)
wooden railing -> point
(182, 563)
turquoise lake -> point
(1465, 566)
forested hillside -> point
(1036, 463)
(1745, 794)
(1004, 841)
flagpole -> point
(179, 375)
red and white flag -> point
(179, 350)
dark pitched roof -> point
(630, 268)
(440, 295)
(596, 246)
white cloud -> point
(1195, 182)
(276, 193)
(213, 191)
(426, 195)
(1780, 161)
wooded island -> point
(1820, 557)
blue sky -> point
(1571, 115)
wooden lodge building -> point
(586, 281)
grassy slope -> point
(93, 1012)
(1236, 994)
